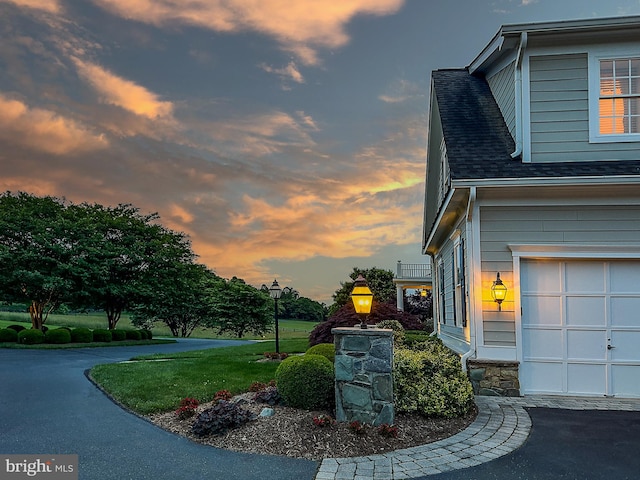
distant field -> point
(289, 329)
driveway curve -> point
(48, 406)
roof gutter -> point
(518, 92)
(542, 181)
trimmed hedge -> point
(306, 382)
(81, 335)
(149, 334)
(133, 335)
(58, 336)
(101, 335)
(8, 335)
(327, 350)
(30, 337)
(16, 328)
(118, 335)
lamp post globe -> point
(362, 298)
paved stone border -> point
(502, 425)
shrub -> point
(8, 335)
(17, 328)
(389, 431)
(222, 395)
(221, 417)
(187, 408)
(412, 337)
(306, 382)
(347, 317)
(323, 421)
(144, 335)
(257, 386)
(357, 427)
(133, 335)
(268, 395)
(118, 335)
(58, 336)
(275, 355)
(398, 331)
(101, 335)
(327, 350)
(149, 334)
(430, 381)
(81, 335)
(30, 337)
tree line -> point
(57, 253)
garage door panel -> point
(541, 277)
(586, 379)
(587, 277)
(625, 277)
(543, 344)
(542, 377)
(625, 311)
(543, 309)
(624, 380)
(586, 345)
(587, 311)
(627, 347)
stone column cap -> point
(367, 332)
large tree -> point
(38, 252)
(128, 259)
(183, 303)
(240, 308)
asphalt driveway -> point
(47, 406)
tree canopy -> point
(379, 281)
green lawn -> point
(157, 383)
(289, 329)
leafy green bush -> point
(327, 350)
(101, 335)
(144, 335)
(30, 337)
(429, 380)
(58, 336)
(306, 382)
(412, 337)
(398, 330)
(118, 335)
(8, 335)
(16, 328)
(133, 335)
(81, 335)
(149, 334)
(221, 417)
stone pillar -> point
(364, 381)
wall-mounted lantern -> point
(498, 291)
(362, 298)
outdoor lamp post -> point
(498, 291)
(275, 291)
(362, 299)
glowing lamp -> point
(498, 291)
(362, 298)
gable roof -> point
(479, 144)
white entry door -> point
(580, 327)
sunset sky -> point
(286, 137)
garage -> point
(580, 327)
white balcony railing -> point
(413, 271)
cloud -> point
(50, 6)
(123, 93)
(401, 91)
(44, 130)
(299, 27)
(290, 72)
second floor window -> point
(619, 103)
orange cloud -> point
(44, 130)
(50, 6)
(300, 27)
(123, 93)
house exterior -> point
(533, 173)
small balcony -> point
(412, 276)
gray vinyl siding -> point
(559, 113)
(501, 226)
(503, 89)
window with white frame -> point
(459, 284)
(614, 98)
(442, 296)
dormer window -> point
(619, 96)
(614, 98)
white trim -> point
(554, 250)
(553, 181)
(485, 352)
(438, 220)
(475, 286)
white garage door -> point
(580, 327)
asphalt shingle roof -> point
(478, 141)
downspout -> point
(518, 92)
(472, 336)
